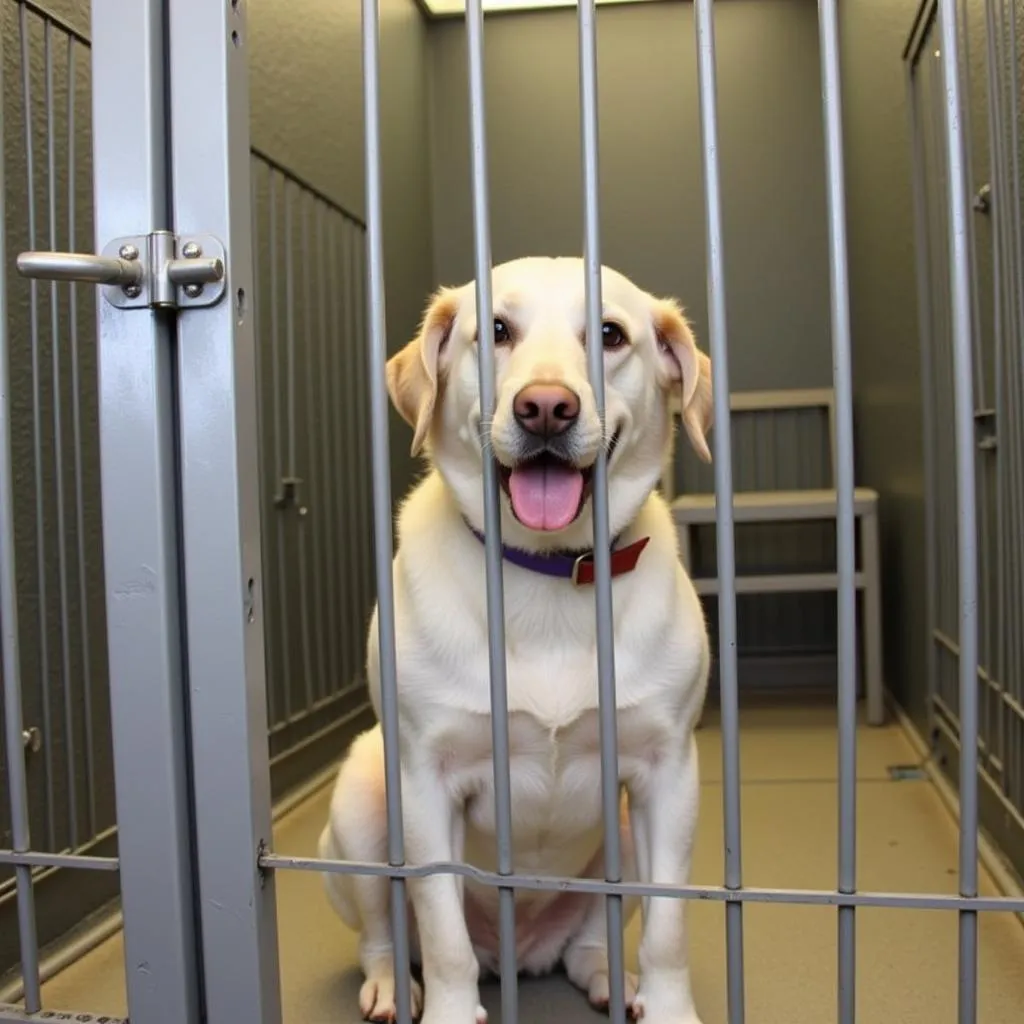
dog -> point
(544, 437)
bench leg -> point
(872, 619)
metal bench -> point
(783, 469)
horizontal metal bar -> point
(59, 860)
(82, 267)
(598, 887)
(306, 186)
(197, 271)
(780, 583)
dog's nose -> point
(546, 409)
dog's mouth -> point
(546, 491)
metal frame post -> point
(139, 528)
(220, 518)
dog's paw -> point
(599, 994)
(658, 1016)
(480, 1017)
(377, 999)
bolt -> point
(32, 738)
(191, 251)
(128, 252)
(193, 291)
(133, 291)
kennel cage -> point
(187, 404)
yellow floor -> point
(907, 960)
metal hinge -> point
(155, 271)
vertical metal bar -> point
(140, 530)
(967, 554)
(345, 467)
(280, 472)
(70, 746)
(381, 477)
(76, 423)
(293, 467)
(221, 520)
(492, 512)
(845, 522)
(314, 518)
(926, 341)
(1002, 668)
(17, 786)
(1016, 424)
(37, 436)
(280, 597)
(724, 527)
(361, 271)
(262, 414)
(602, 536)
(329, 464)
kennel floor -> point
(906, 960)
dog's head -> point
(546, 432)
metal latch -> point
(156, 271)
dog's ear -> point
(412, 373)
(688, 370)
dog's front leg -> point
(450, 968)
(664, 808)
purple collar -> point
(579, 568)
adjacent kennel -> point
(198, 465)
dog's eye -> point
(502, 335)
(612, 335)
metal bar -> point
(37, 430)
(329, 463)
(967, 555)
(708, 893)
(492, 512)
(140, 530)
(381, 479)
(70, 746)
(299, 509)
(725, 529)
(76, 426)
(344, 334)
(221, 521)
(75, 861)
(262, 414)
(364, 493)
(1001, 667)
(10, 638)
(845, 516)
(604, 622)
(314, 518)
(281, 603)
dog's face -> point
(546, 432)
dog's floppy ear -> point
(412, 374)
(688, 369)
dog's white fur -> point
(661, 660)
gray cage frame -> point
(179, 436)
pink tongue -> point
(545, 496)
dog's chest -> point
(554, 772)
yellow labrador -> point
(545, 436)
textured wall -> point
(652, 198)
